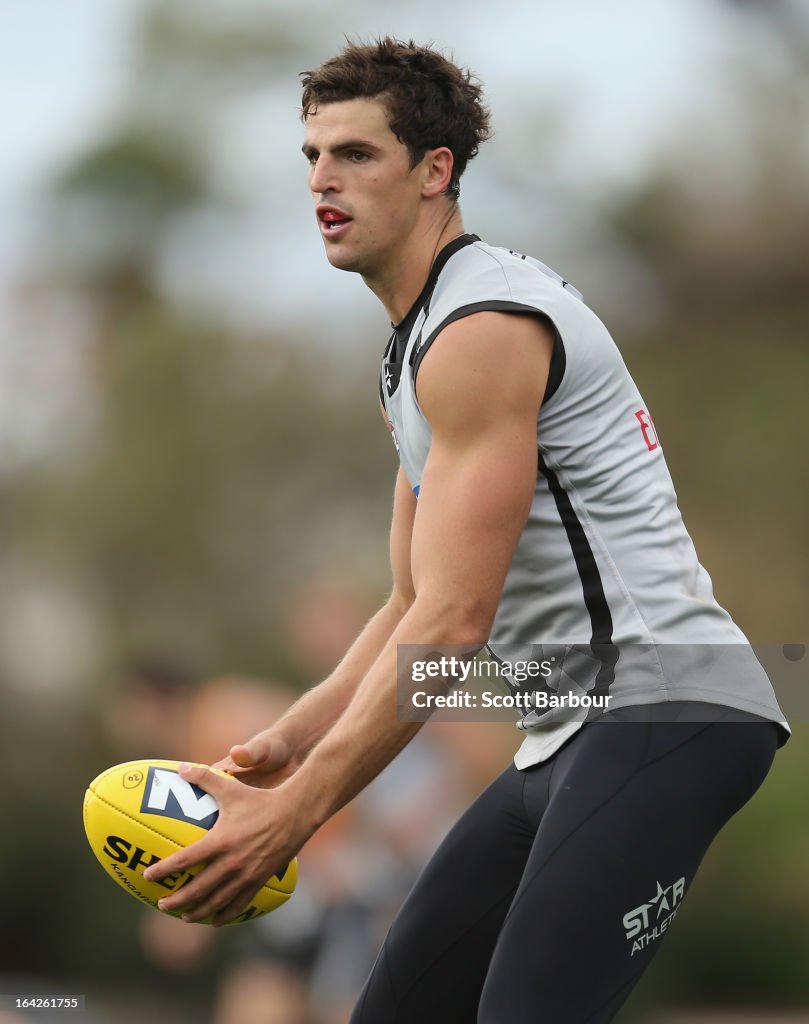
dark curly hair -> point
(430, 101)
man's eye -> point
(358, 157)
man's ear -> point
(438, 165)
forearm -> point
(369, 734)
(314, 714)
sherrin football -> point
(137, 813)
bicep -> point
(481, 389)
(472, 511)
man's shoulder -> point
(521, 266)
(492, 277)
(482, 257)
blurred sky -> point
(618, 75)
(613, 85)
(63, 64)
(621, 71)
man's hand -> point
(264, 761)
(257, 834)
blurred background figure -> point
(147, 709)
(322, 615)
(261, 993)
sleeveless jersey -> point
(604, 562)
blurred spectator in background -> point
(320, 619)
(147, 708)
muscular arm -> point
(480, 387)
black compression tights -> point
(550, 896)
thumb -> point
(261, 751)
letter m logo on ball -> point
(168, 794)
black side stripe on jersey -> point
(595, 599)
(558, 358)
(592, 588)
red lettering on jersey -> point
(648, 429)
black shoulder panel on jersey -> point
(556, 370)
(392, 364)
(558, 358)
(385, 357)
(403, 328)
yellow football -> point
(137, 813)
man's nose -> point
(323, 175)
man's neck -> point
(399, 284)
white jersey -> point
(604, 558)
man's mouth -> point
(331, 221)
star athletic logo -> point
(646, 923)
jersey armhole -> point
(558, 363)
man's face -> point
(366, 194)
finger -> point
(181, 861)
(240, 902)
(248, 755)
(200, 888)
(261, 751)
(213, 901)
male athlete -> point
(533, 505)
